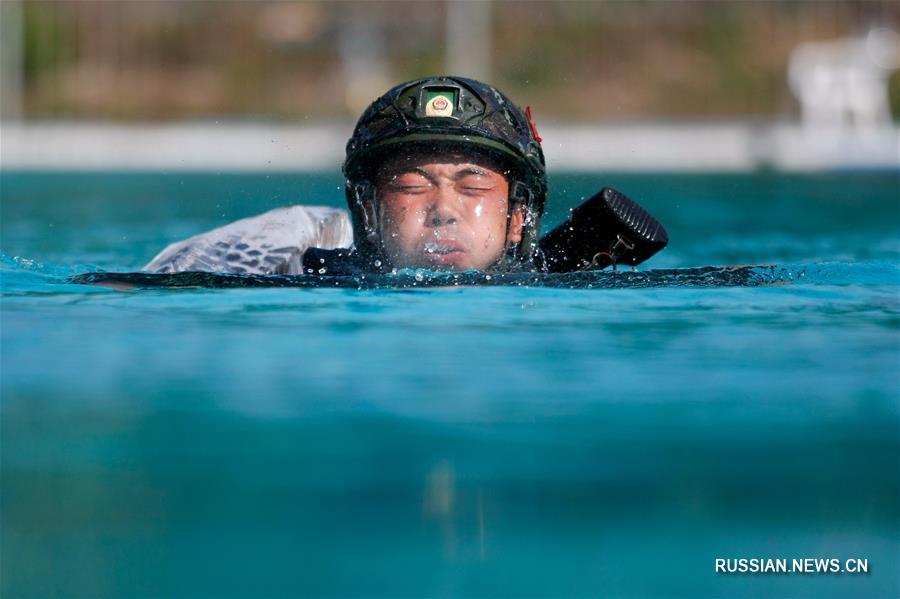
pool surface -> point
(607, 437)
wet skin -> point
(445, 212)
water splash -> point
(829, 273)
(18, 273)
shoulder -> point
(272, 242)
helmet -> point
(450, 113)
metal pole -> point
(469, 38)
(11, 23)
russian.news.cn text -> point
(804, 565)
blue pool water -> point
(471, 441)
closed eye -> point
(409, 188)
(474, 190)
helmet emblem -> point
(439, 105)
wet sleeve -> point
(270, 243)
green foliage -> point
(894, 91)
(47, 41)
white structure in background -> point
(845, 81)
(842, 86)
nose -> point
(443, 210)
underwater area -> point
(599, 434)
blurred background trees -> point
(160, 60)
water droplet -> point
(419, 276)
(322, 271)
(378, 264)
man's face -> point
(445, 212)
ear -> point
(516, 221)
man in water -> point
(441, 173)
(447, 174)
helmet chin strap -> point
(364, 196)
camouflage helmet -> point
(446, 113)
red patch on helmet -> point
(533, 126)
